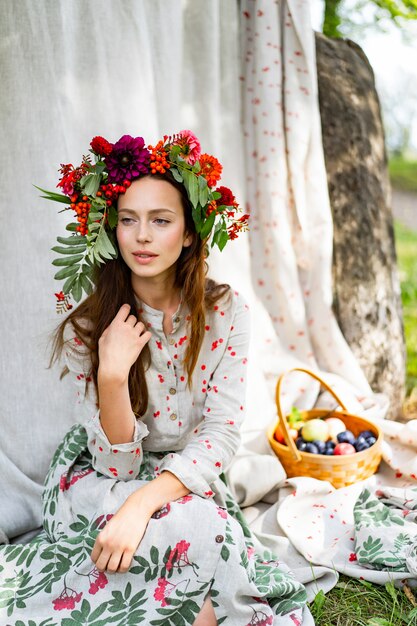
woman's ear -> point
(188, 241)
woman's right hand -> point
(120, 345)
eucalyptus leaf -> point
(68, 249)
(68, 260)
(197, 215)
(66, 272)
(74, 240)
(193, 189)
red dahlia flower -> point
(227, 198)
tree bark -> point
(367, 300)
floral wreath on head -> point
(92, 190)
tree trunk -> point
(366, 288)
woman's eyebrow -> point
(151, 212)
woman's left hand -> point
(118, 541)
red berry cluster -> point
(82, 206)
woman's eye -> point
(159, 220)
(126, 220)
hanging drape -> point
(72, 70)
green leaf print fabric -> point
(386, 529)
(191, 547)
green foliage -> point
(406, 245)
(335, 19)
(403, 173)
(360, 603)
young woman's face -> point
(151, 227)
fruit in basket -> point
(279, 435)
(310, 447)
(315, 429)
(344, 448)
(336, 426)
(346, 436)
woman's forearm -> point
(164, 488)
(116, 414)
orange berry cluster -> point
(212, 206)
(158, 161)
(112, 192)
(81, 206)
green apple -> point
(315, 430)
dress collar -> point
(156, 316)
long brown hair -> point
(114, 288)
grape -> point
(346, 437)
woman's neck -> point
(160, 296)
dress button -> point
(173, 416)
(172, 391)
(219, 539)
(171, 341)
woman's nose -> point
(143, 232)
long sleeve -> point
(122, 461)
(209, 453)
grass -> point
(406, 242)
(357, 602)
(403, 173)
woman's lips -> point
(144, 260)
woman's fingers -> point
(125, 562)
(123, 312)
(114, 561)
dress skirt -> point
(192, 547)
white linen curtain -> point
(73, 70)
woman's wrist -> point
(107, 377)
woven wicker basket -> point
(338, 470)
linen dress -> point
(193, 546)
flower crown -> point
(92, 190)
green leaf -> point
(90, 184)
(208, 225)
(68, 260)
(56, 197)
(176, 174)
(66, 272)
(197, 167)
(105, 246)
(85, 284)
(216, 195)
(193, 189)
(203, 191)
(93, 217)
(68, 249)
(72, 227)
(73, 240)
(154, 555)
(223, 239)
(112, 217)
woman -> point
(139, 523)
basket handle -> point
(282, 420)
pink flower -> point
(100, 581)
(66, 601)
(63, 485)
(190, 146)
(222, 512)
(251, 552)
(178, 555)
(161, 592)
(185, 499)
